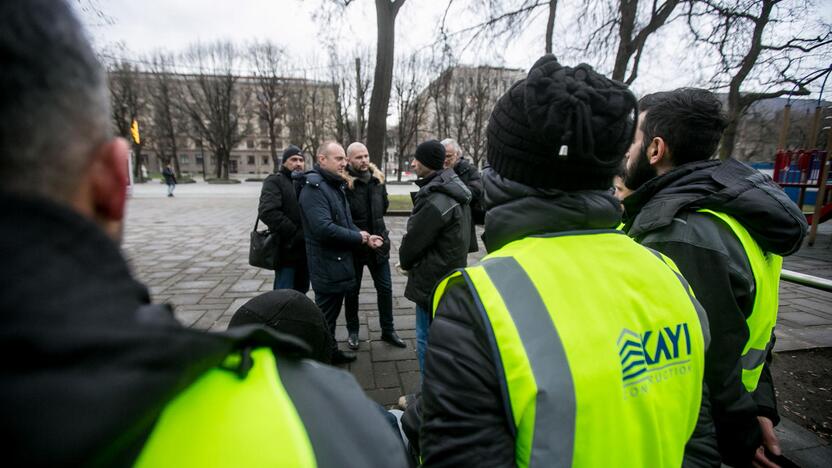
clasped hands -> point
(372, 240)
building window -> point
(250, 144)
(251, 160)
(264, 144)
(265, 159)
(183, 159)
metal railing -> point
(806, 280)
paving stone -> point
(385, 352)
(408, 366)
(803, 318)
(182, 299)
(411, 381)
(385, 374)
(385, 396)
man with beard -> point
(97, 375)
(727, 227)
(367, 196)
(280, 211)
(331, 237)
(557, 348)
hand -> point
(770, 443)
(376, 241)
(365, 237)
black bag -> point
(262, 251)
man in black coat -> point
(367, 196)
(470, 176)
(280, 211)
(669, 167)
(438, 233)
(331, 236)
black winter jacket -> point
(437, 237)
(460, 417)
(368, 205)
(280, 211)
(91, 364)
(331, 235)
(470, 176)
(662, 215)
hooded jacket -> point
(91, 364)
(368, 205)
(280, 211)
(461, 350)
(662, 215)
(438, 234)
(331, 236)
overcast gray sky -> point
(142, 26)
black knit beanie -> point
(431, 153)
(289, 152)
(561, 127)
(290, 312)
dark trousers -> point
(380, 272)
(330, 305)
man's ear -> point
(108, 180)
(657, 152)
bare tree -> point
(503, 20)
(752, 55)
(127, 103)
(480, 100)
(169, 122)
(386, 12)
(408, 82)
(351, 85)
(215, 101)
(270, 91)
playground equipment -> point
(807, 168)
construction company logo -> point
(653, 356)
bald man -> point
(331, 236)
(367, 196)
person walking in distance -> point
(170, 178)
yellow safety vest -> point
(766, 268)
(599, 345)
(223, 420)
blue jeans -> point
(290, 277)
(422, 332)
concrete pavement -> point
(192, 251)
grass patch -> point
(223, 181)
(400, 203)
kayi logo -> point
(653, 356)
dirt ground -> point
(803, 382)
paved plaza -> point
(192, 251)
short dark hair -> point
(689, 120)
(54, 104)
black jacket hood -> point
(515, 210)
(445, 181)
(731, 187)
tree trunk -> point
(627, 11)
(729, 136)
(550, 24)
(383, 78)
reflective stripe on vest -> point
(600, 347)
(766, 269)
(222, 420)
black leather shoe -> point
(340, 357)
(352, 341)
(393, 339)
